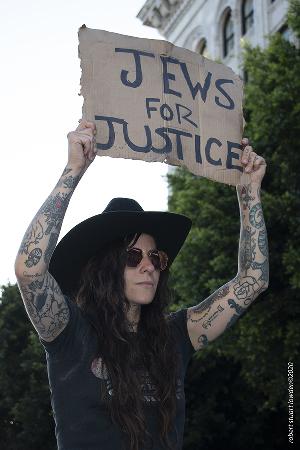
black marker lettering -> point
(209, 143)
(168, 147)
(232, 155)
(138, 67)
(150, 108)
(111, 129)
(169, 110)
(198, 148)
(217, 99)
(194, 89)
(169, 76)
(178, 134)
(135, 147)
(189, 112)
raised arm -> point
(210, 318)
(43, 299)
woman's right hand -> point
(82, 150)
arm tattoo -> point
(54, 210)
(238, 311)
(50, 248)
(202, 341)
(68, 182)
(253, 246)
(32, 236)
(33, 257)
(42, 234)
(212, 317)
(202, 310)
(45, 305)
(224, 307)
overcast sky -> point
(40, 76)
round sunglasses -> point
(158, 258)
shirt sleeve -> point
(179, 321)
(67, 341)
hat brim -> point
(88, 237)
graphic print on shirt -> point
(99, 369)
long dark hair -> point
(102, 299)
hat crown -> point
(123, 204)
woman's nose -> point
(146, 264)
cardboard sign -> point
(153, 101)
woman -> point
(99, 301)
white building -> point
(217, 28)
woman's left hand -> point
(253, 164)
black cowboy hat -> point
(121, 217)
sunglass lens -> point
(158, 258)
(155, 259)
(134, 257)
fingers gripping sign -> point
(253, 164)
(82, 150)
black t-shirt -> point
(82, 421)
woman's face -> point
(141, 281)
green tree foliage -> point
(237, 387)
(293, 16)
(26, 421)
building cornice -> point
(164, 15)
